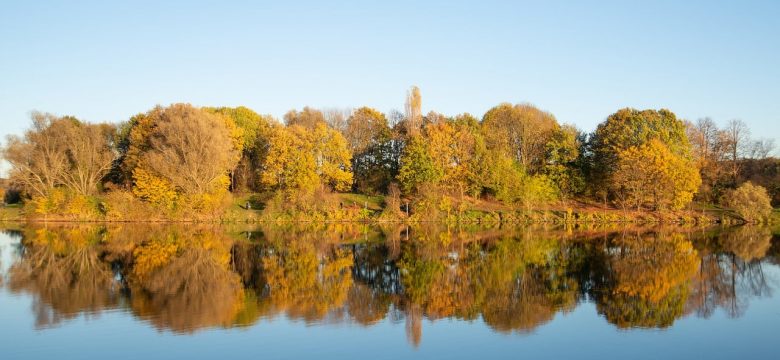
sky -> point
(108, 60)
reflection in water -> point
(186, 278)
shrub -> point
(750, 202)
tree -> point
(413, 109)
(652, 174)
(290, 161)
(562, 154)
(60, 151)
(90, 155)
(336, 118)
(452, 146)
(255, 130)
(521, 131)
(308, 117)
(631, 128)
(761, 149)
(366, 127)
(332, 157)
(417, 166)
(708, 151)
(190, 148)
(370, 140)
(736, 140)
(300, 158)
(751, 202)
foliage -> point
(562, 154)
(521, 132)
(750, 201)
(300, 158)
(652, 174)
(630, 128)
(417, 166)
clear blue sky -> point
(106, 60)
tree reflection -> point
(646, 284)
(730, 271)
(186, 278)
(183, 281)
(64, 272)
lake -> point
(336, 291)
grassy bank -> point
(350, 207)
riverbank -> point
(348, 207)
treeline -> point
(186, 161)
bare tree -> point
(38, 160)
(761, 149)
(336, 118)
(735, 139)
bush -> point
(750, 202)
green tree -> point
(561, 166)
(417, 166)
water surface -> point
(348, 291)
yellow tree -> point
(289, 163)
(301, 158)
(652, 174)
(452, 149)
(332, 157)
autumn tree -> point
(369, 138)
(452, 144)
(90, 155)
(300, 158)
(561, 160)
(625, 135)
(60, 151)
(521, 131)
(417, 166)
(761, 148)
(337, 118)
(652, 174)
(289, 163)
(332, 157)
(307, 118)
(751, 202)
(255, 130)
(708, 151)
(184, 148)
(413, 107)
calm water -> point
(348, 291)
